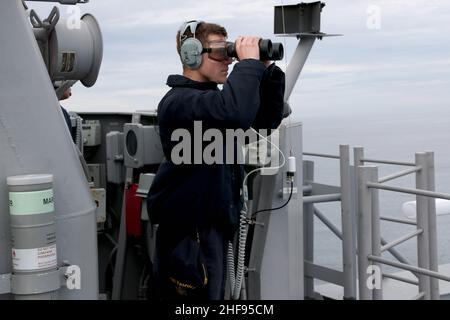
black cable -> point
(273, 209)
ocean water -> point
(384, 134)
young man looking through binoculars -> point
(197, 206)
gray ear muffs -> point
(191, 48)
(191, 53)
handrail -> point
(396, 220)
(398, 163)
(399, 174)
(401, 240)
(398, 278)
(418, 192)
(322, 198)
(399, 265)
(321, 155)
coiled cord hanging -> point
(243, 231)
(230, 264)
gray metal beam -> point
(432, 228)
(347, 218)
(398, 163)
(394, 277)
(423, 244)
(419, 192)
(296, 64)
(323, 273)
(391, 219)
(322, 198)
(308, 228)
(399, 174)
(320, 155)
(364, 230)
(408, 267)
(401, 240)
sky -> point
(393, 55)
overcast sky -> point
(401, 60)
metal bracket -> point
(53, 18)
(6, 279)
(36, 22)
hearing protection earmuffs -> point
(191, 48)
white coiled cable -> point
(236, 278)
(231, 273)
(243, 231)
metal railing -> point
(369, 224)
(346, 278)
(360, 193)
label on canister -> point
(34, 259)
(32, 202)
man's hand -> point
(247, 48)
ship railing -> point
(318, 193)
(360, 224)
(371, 247)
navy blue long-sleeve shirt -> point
(187, 196)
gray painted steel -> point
(398, 163)
(376, 230)
(296, 65)
(419, 270)
(392, 276)
(432, 229)
(328, 223)
(401, 240)
(321, 155)
(348, 230)
(420, 192)
(76, 52)
(122, 242)
(282, 268)
(364, 230)
(403, 221)
(324, 273)
(34, 139)
(322, 198)
(33, 233)
(423, 246)
(398, 174)
(308, 228)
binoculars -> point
(268, 50)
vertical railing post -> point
(348, 245)
(364, 231)
(308, 228)
(358, 155)
(432, 235)
(376, 236)
(422, 203)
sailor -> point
(197, 205)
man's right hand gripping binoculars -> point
(268, 50)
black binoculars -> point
(267, 50)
